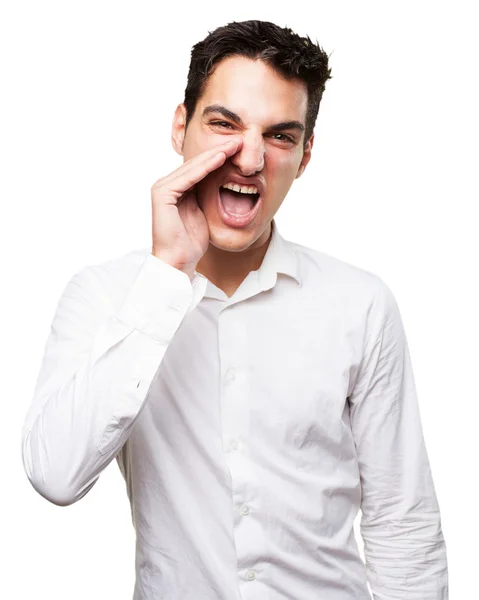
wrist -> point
(173, 262)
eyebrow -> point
(222, 110)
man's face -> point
(272, 154)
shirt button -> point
(251, 575)
(233, 444)
(231, 374)
(245, 510)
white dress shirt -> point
(249, 430)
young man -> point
(256, 393)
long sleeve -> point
(99, 361)
(404, 547)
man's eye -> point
(281, 137)
(221, 123)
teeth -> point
(243, 189)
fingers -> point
(184, 180)
(196, 169)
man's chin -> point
(225, 238)
(230, 239)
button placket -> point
(235, 404)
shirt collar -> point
(280, 257)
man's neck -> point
(227, 270)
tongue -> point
(235, 202)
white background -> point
(89, 91)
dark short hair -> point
(291, 55)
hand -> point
(179, 228)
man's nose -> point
(250, 159)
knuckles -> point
(158, 183)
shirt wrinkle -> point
(250, 438)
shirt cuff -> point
(158, 300)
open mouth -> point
(238, 202)
(238, 208)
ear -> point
(306, 156)
(178, 129)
